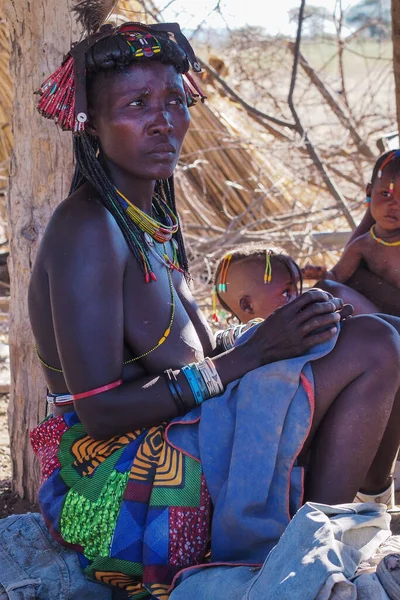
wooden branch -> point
(235, 96)
(329, 182)
(333, 104)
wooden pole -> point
(40, 176)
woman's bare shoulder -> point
(79, 224)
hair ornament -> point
(268, 267)
(63, 95)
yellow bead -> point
(167, 332)
(161, 341)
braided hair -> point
(113, 53)
(249, 251)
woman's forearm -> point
(149, 402)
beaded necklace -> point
(158, 231)
(153, 229)
(380, 240)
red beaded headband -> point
(63, 94)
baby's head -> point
(383, 192)
(253, 282)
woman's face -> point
(141, 118)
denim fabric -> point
(315, 559)
(33, 565)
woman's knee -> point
(377, 341)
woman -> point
(123, 342)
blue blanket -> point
(248, 440)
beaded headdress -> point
(63, 94)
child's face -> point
(385, 206)
(281, 290)
(250, 297)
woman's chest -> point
(162, 324)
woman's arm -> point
(86, 276)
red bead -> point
(147, 278)
(154, 278)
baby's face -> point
(385, 206)
(246, 282)
(281, 290)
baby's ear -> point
(368, 189)
(246, 305)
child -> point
(370, 264)
(252, 282)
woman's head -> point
(122, 91)
(253, 282)
(383, 193)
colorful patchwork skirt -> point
(135, 508)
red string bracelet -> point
(99, 390)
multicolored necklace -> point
(380, 240)
(164, 259)
(158, 231)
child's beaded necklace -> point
(380, 240)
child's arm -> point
(348, 262)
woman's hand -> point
(294, 328)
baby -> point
(377, 251)
(252, 282)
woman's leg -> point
(390, 441)
(355, 391)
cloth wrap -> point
(248, 440)
(135, 509)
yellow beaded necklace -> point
(380, 240)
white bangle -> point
(210, 377)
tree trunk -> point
(41, 172)
(396, 53)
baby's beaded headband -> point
(221, 286)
